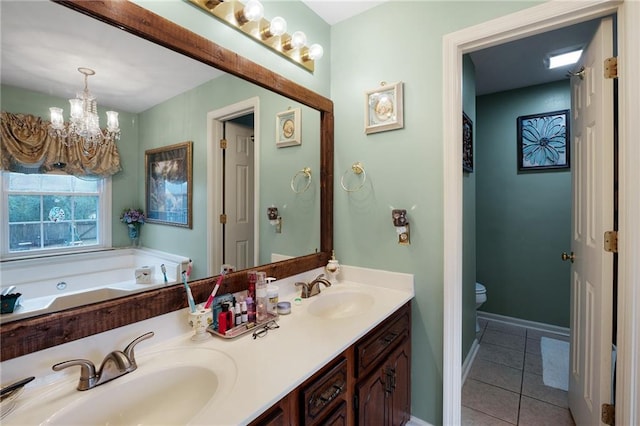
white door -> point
(592, 215)
(239, 197)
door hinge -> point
(611, 241)
(223, 219)
(611, 67)
(223, 144)
(355, 401)
(608, 414)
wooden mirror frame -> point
(22, 337)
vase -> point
(134, 234)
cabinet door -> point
(278, 415)
(399, 372)
(372, 397)
(338, 417)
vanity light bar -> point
(232, 13)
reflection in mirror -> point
(164, 98)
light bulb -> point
(112, 121)
(315, 51)
(77, 109)
(298, 40)
(253, 10)
(278, 26)
(57, 120)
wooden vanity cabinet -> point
(282, 413)
(383, 372)
(368, 384)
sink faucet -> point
(313, 288)
(114, 365)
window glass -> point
(51, 212)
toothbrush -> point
(192, 304)
(215, 290)
(164, 272)
(189, 268)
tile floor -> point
(504, 385)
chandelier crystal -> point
(84, 123)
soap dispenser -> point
(333, 268)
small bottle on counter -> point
(252, 277)
(243, 312)
(223, 317)
(262, 298)
(251, 309)
(238, 314)
(272, 305)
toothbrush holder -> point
(200, 320)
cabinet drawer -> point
(323, 392)
(374, 347)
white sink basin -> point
(169, 387)
(340, 304)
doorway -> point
(518, 25)
(222, 244)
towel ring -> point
(357, 170)
(304, 173)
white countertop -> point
(266, 369)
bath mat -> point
(555, 363)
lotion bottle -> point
(262, 298)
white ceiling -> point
(334, 11)
(43, 44)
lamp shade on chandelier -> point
(84, 123)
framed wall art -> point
(467, 143)
(169, 184)
(288, 128)
(543, 141)
(383, 108)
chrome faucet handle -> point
(129, 353)
(88, 376)
(305, 289)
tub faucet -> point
(313, 288)
(114, 365)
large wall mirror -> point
(217, 78)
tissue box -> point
(144, 275)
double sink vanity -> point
(337, 358)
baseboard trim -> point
(524, 323)
(468, 361)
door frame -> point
(215, 132)
(545, 17)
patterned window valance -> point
(25, 146)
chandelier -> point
(84, 123)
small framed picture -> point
(383, 108)
(288, 128)
(169, 184)
(467, 143)
(543, 141)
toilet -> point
(481, 297)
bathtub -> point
(50, 284)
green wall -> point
(469, 218)
(523, 219)
(184, 118)
(400, 41)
